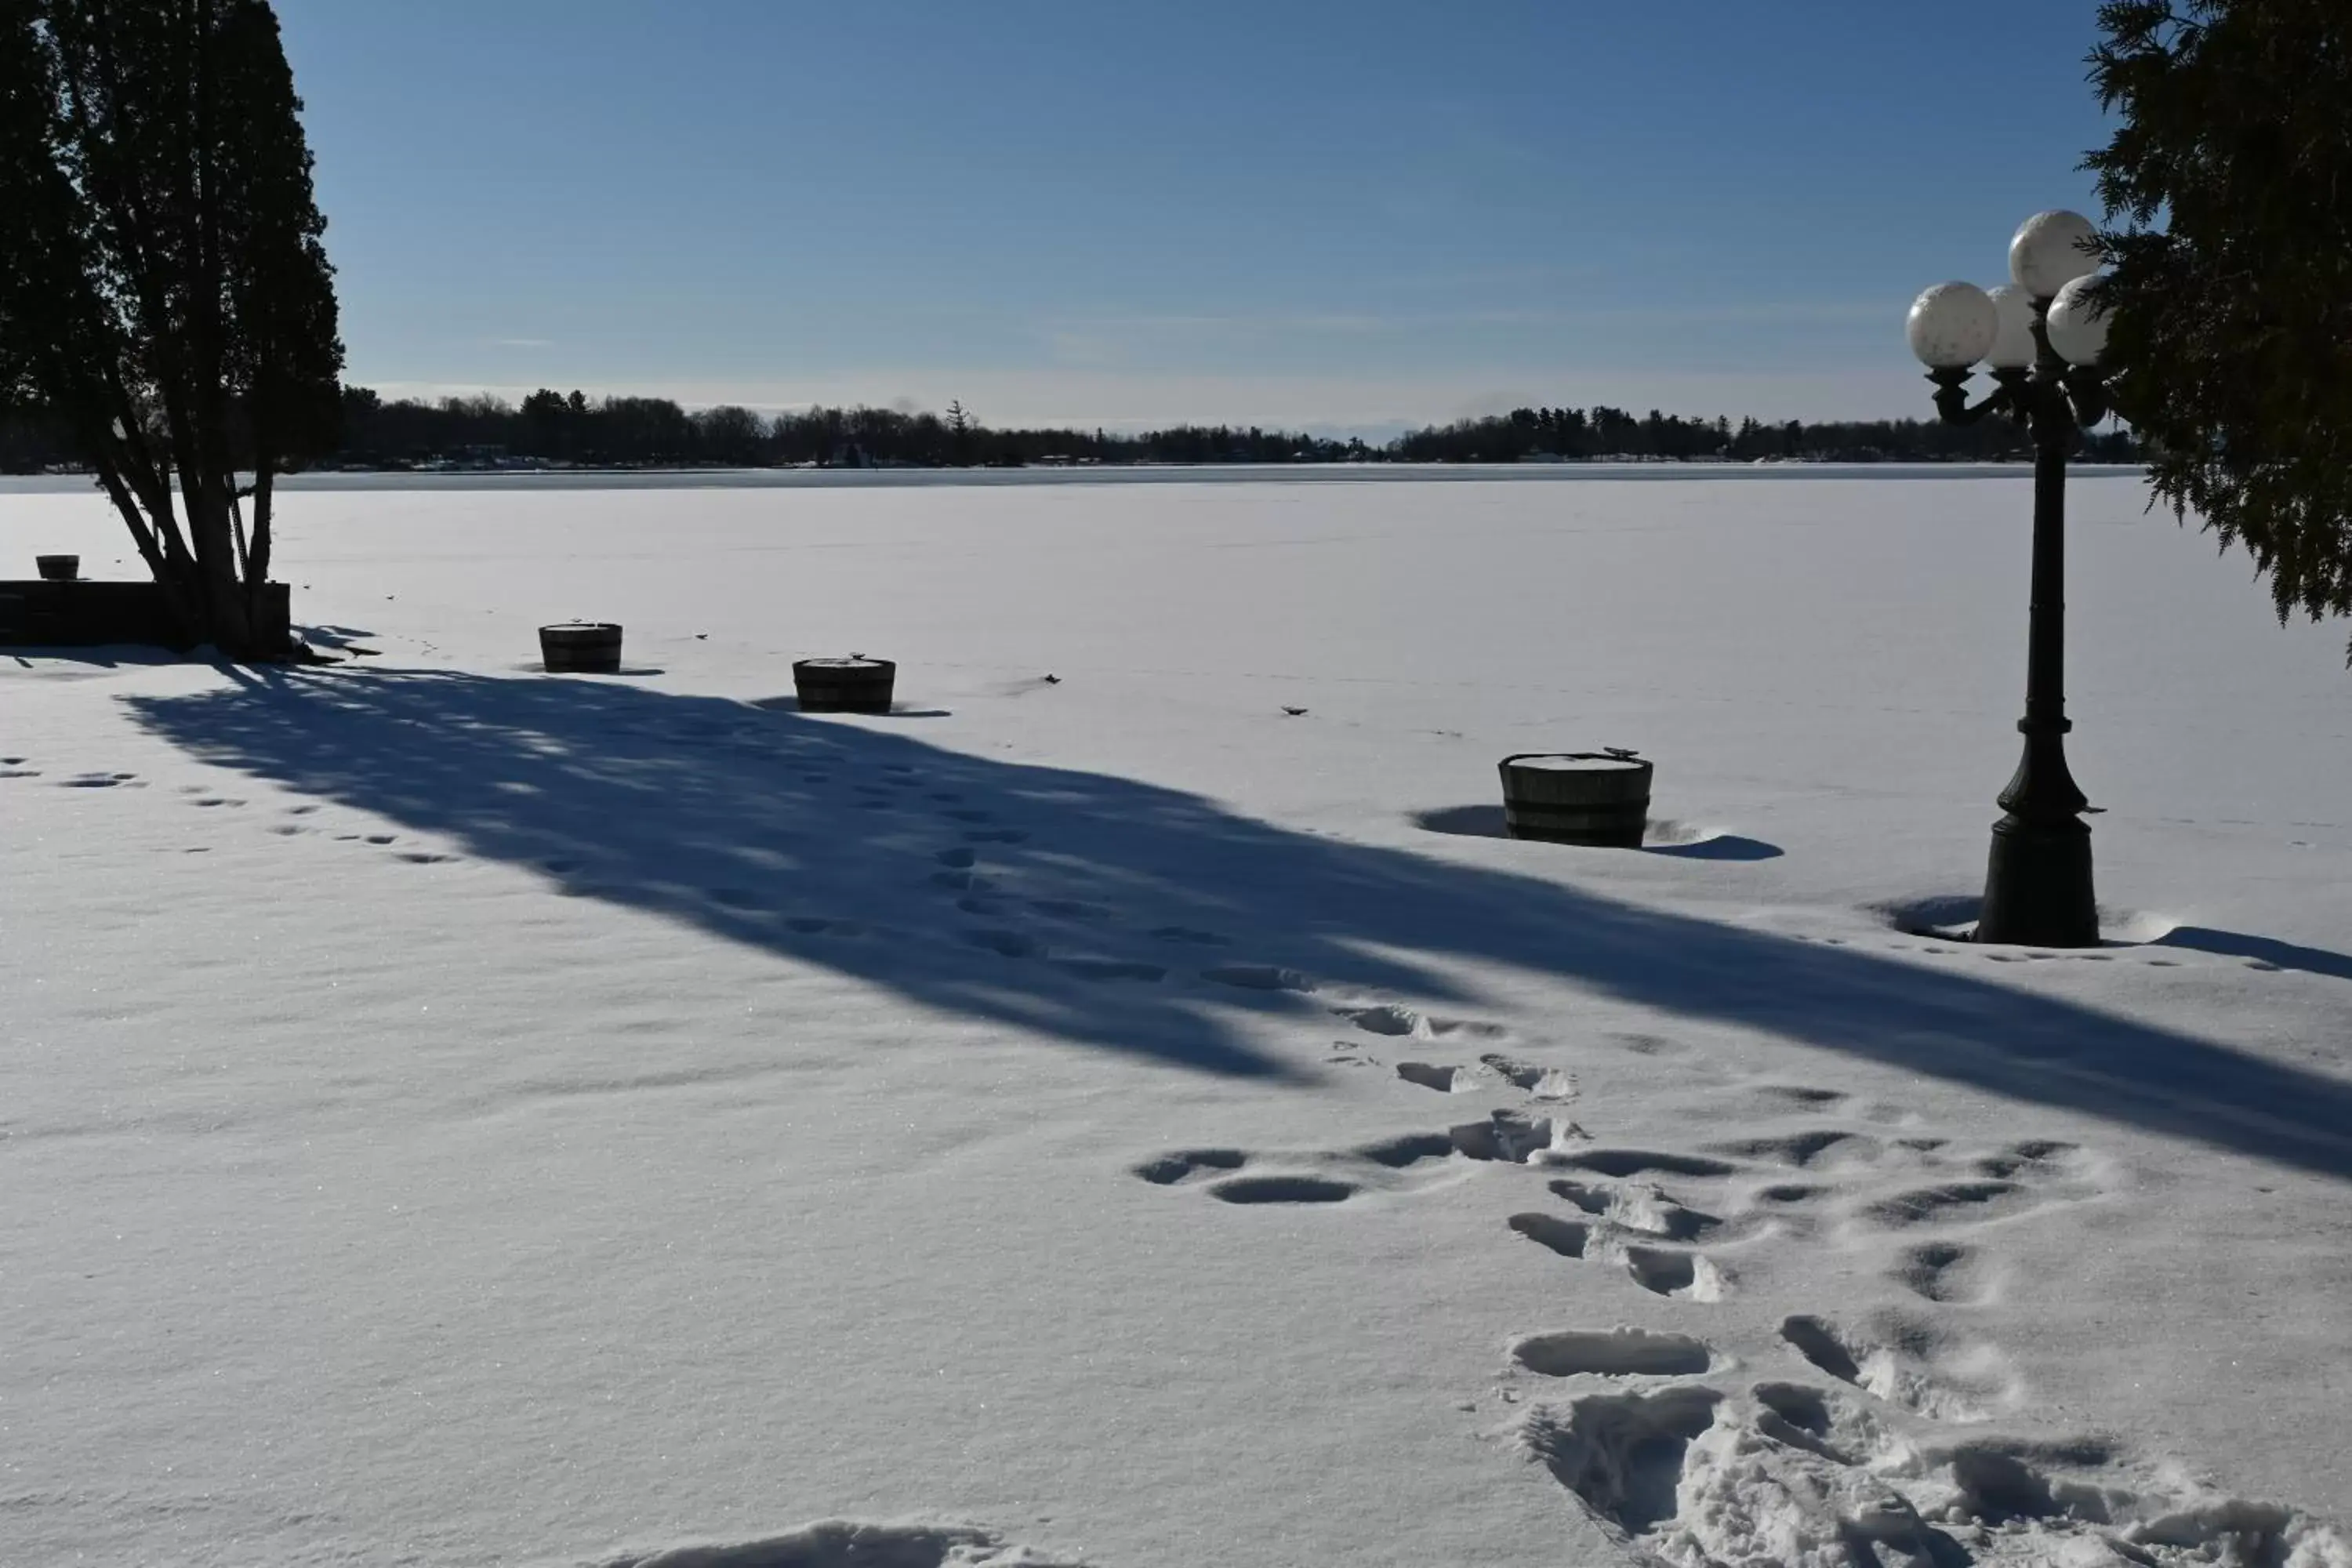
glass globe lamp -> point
(2078, 323)
(1952, 325)
(2050, 250)
(2013, 347)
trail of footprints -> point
(1864, 1439)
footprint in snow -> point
(1069, 910)
(1613, 1352)
(1801, 1096)
(1542, 1083)
(1110, 969)
(1393, 1019)
(1945, 1272)
(1189, 934)
(1661, 1270)
(1821, 1146)
(1909, 1360)
(1259, 977)
(815, 925)
(99, 781)
(1409, 1163)
(1003, 942)
(1690, 1473)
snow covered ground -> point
(451, 1114)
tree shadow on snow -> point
(1125, 917)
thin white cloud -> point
(521, 343)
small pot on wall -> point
(852, 685)
(59, 568)
(581, 648)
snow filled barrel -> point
(852, 685)
(1577, 797)
(59, 568)
(581, 648)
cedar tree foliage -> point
(164, 292)
(2231, 345)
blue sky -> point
(1291, 212)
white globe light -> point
(2050, 250)
(2013, 347)
(1951, 326)
(2078, 323)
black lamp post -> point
(2041, 336)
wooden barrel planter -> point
(853, 685)
(581, 648)
(1577, 797)
(59, 568)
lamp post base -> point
(2038, 885)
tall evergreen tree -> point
(2231, 338)
(162, 286)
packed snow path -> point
(459, 1115)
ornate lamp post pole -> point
(2041, 335)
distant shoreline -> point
(586, 478)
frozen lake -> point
(461, 1115)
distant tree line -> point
(550, 427)
(1602, 432)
